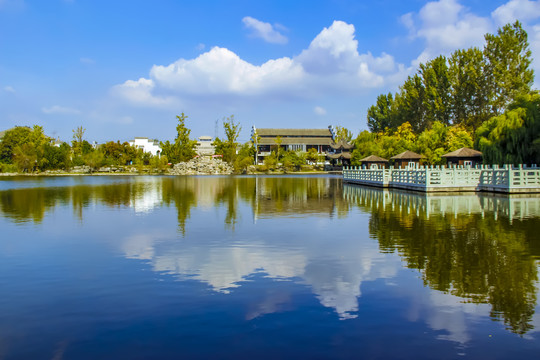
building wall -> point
(148, 146)
(464, 161)
(205, 146)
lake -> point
(140, 267)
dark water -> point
(263, 267)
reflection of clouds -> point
(271, 303)
(337, 282)
(447, 312)
(224, 267)
(334, 272)
(139, 246)
(149, 197)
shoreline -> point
(164, 174)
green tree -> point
(57, 157)
(77, 143)
(437, 93)
(470, 93)
(232, 131)
(12, 138)
(184, 145)
(379, 116)
(342, 133)
(278, 141)
(25, 157)
(312, 155)
(293, 160)
(512, 137)
(432, 143)
(183, 148)
(244, 158)
(365, 144)
(411, 104)
(94, 160)
(509, 59)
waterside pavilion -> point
(406, 159)
(463, 157)
(374, 162)
(340, 152)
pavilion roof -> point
(345, 155)
(373, 158)
(341, 144)
(407, 155)
(464, 153)
(294, 132)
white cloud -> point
(200, 47)
(9, 89)
(319, 110)
(446, 25)
(522, 10)
(331, 64)
(139, 92)
(222, 71)
(60, 110)
(265, 31)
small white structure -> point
(205, 146)
(147, 145)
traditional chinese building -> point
(374, 162)
(464, 157)
(291, 139)
(406, 159)
(340, 152)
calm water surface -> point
(263, 267)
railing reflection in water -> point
(484, 249)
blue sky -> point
(126, 68)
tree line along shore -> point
(477, 98)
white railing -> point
(480, 178)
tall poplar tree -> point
(437, 94)
(379, 116)
(183, 148)
(508, 57)
(470, 93)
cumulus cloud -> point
(9, 89)
(265, 31)
(331, 64)
(139, 92)
(319, 110)
(523, 10)
(60, 110)
(446, 25)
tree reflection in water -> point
(463, 245)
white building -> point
(147, 145)
(205, 146)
